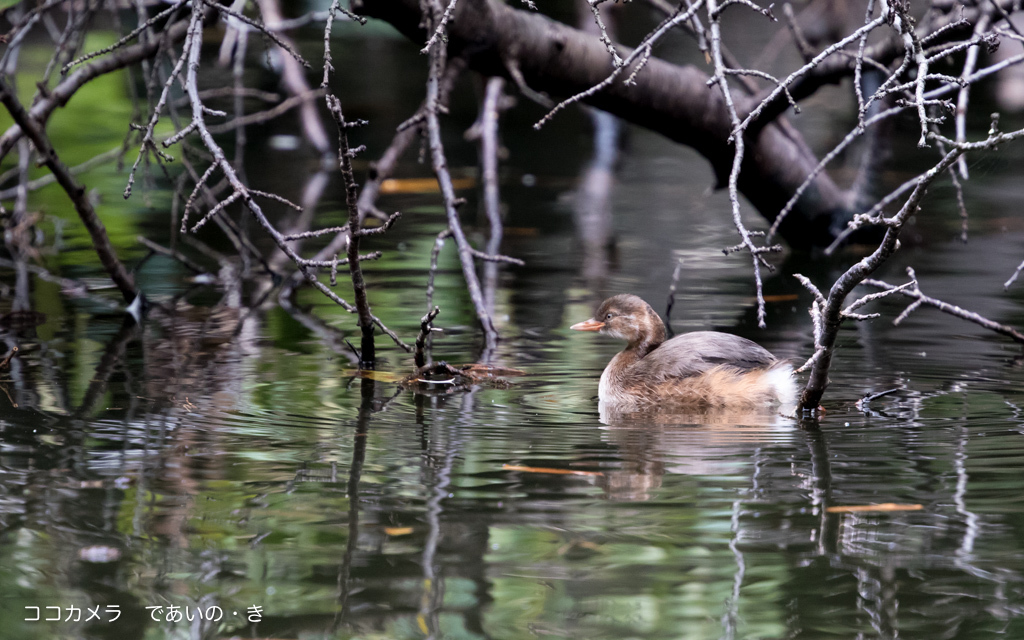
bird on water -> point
(698, 370)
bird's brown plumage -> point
(699, 369)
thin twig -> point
(444, 179)
(186, 262)
(438, 34)
(642, 50)
(914, 292)
(126, 39)
(719, 77)
(367, 352)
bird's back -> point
(702, 369)
(696, 353)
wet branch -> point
(426, 327)
(367, 354)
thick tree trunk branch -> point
(673, 100)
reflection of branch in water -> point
(3, 387)
(842, 540)
(592, 210)
(672, 297)
(486, 130)
(971, 520)
(330, 336)
(113, 355)
(437, 472)
(732, 603)
(430, 605)
(366, 389)
(71, 288)
(876, 597)
(821, 487)
(173, 254)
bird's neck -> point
(617, 374)
(652, 334)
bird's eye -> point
(608, 316)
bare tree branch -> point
(76, 192)
(912, 291)
(831, 311)
(440, 165)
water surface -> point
(220, 457)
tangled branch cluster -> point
(902, 57)
(923, 65)
(168, 43)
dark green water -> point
(222, 464)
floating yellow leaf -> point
(421, 185)
(398, 531)
(561, 472)
(885, 506)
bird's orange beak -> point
(588, 325)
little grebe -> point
(703, 369)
